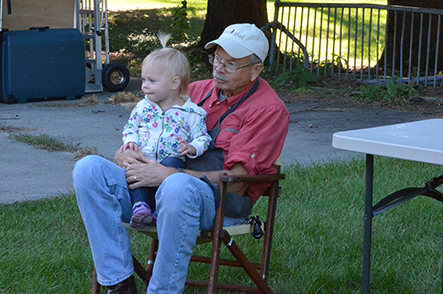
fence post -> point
(274, 33)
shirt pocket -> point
(227, 132)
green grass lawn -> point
(317, 244)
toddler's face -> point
(157, 83)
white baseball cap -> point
(241, 40)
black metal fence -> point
(374, 43)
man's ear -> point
(176, 82)
(256, 70)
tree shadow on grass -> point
(135, 30)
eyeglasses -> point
(229, 67)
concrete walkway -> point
(27, 173)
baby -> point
(166, 126)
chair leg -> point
(215, 265)
(151, 257)
(146, 274)
(140, 271)
(246, 264)
(269, 229)
(95, 285)
(216, 245)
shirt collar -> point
(229, 101)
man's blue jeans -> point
(147, 194)
(185, 204)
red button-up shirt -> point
(253, 134)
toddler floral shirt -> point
(155, 130)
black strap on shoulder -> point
(252, 91)
(216, 130)
(206, 97)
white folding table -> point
(420, 141)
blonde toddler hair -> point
(172, 60)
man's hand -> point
(148, 173)
(128, 157)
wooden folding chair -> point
(258, 272)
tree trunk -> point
(222, 13)
(405, 31)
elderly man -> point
(248, 124)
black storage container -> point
(42, 64)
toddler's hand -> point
(186, 148)
(131, 146)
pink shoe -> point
(141, 216)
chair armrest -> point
(250, 178)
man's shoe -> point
(125, 287)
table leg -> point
(441, 286)
(367, 223)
